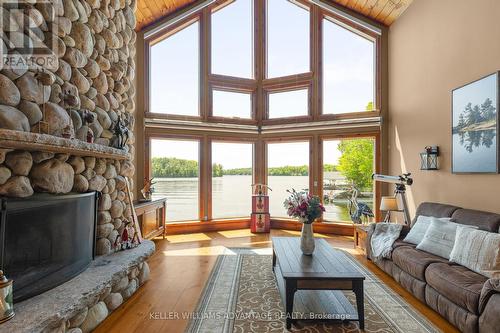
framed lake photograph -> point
(475, 126)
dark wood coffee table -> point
(314, 284)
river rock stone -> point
(103, 230)
(113, 301)
(96, 314)
(90, 161)
(64, 70)
(116, 209)
(77, 163)
(76, 119)
(79, 80)
(120, 285)
(101, 83)
(19, 162)
(127, 169)
(105, 202)
(13, 119)
(70, 11)
(103, 246)
(52, 176)
(17, 186)
(97, 183)
(110, 172)
(103, 217)
(58, 119)
(31, 111)
(103, 118)
(31, 91)
(83, 38)
(40, 156)
(144, 273)
(80, 184)
(9, 94)
(131, 288)
(75, 57)
(4, 174)
(78, 319)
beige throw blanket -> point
(383, 236)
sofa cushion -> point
(418, 230)
(413, 261)
(489, 322)
(457, 283)
(477, 250)
(456, 315)
(484, 220)
(401, 242)
(434, 209)
(440, 237)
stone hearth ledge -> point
(52, 310)
(48, 143)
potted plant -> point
(306, 208)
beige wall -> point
(436, 46)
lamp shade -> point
(389, 204)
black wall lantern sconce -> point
(429, 158)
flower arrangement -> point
(304, 206)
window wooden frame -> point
(260, 87)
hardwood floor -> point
(181, 265)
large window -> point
(288, 38)
(174, 86)
(256, 91)
(287, 169)
(175, 168)
(348, 70)
(288, 104)
(348, 166)
(232, 50)
(231, 179)
(232, 104)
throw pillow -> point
(439, 238)
(477, 250)
(418, 230)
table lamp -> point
(388, 204)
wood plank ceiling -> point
(383, 11)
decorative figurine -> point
(6, 299)
(121, 133)
(87, 116)
(148, 189)
(125, 241)
(90, 136)
(70, 100)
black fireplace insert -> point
(45, 240)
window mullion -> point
(259, 57)
(316, 61)
(205, 59)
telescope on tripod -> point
(401, 182)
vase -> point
(307, 239)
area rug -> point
(241, 296)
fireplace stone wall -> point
(48, 112)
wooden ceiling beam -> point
(383, 11)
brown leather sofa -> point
(469, 301)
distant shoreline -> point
(482, 126)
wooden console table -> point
(360, 237)
(152, 217)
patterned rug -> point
(241, 296)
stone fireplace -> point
(63, 122)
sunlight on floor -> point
(297, 233)
(187, 238)
(257, 243)
(199, 251)
(236, 233)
